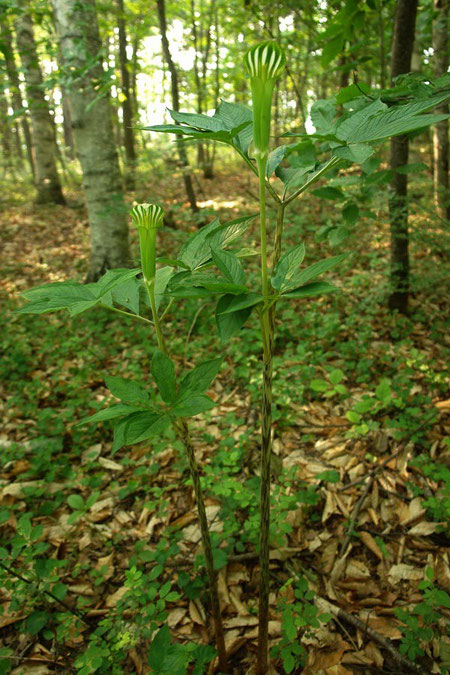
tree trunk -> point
(440, 130)
(14, 87)
(18, 142)
(5, 133)
(79, 41)
(402, 48)
(198, 84)
(67, 124)
(382, 52)
(46, 179)
(175, 103)
(127, 110)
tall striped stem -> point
(267, 331)
(182, 431)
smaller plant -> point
(420, 625)
(437, 505)
(334, 385)
(298, 618)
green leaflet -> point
(234, 115)
(316, 288)
(138, 427)
(185, 284)
(229, 264)
(274, 159)
(163, 370)
(199, 379)
(126, 390)
(75, 297)
(287, 267)
(196, 252)
(239, 302)
(315, 270)
(114, 411)
(204, 122)
(328, 192)
(126, 294)
(357, 153)
(52, 297)
(113, 278)
(193, 405)
(224, 126)
(377, 122)
(162, 278)
(230, 324)
(231, 124)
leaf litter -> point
(366, 555)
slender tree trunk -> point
(79, 41)
(175, 102)
(198, 84)
(208, 160)
(5, 132)
(18, 141)
(440, 130)
(133, 90)
(67, 124)
(402, 48)
(47, 181)
(127, 110)
(382, 51)
(6, 46)
(133, 79)
(217, 57)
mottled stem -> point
(182, 431)
(267, 332)
(207, 549)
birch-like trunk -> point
(161, 7)
(6, 47)
(46, 176)
(77, 29)
(440, 130)
(5, 134)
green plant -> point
(299, 617)
(419, 624)
(205, 268)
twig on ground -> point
(70, 609)
(342, 615)
(355, 514)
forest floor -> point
(362, 483)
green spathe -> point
(147, 215)
(264, 63)
(147, 218)
(265, 60)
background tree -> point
(127, 109)
(5, 130)
(6, 46)
(402, 49)
(47, 181)
(440, 130)
(175, 103)
(102, 183)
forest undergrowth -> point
(360, 556)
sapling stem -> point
(267, 331)
(182, 431)
(264, 63)
(150, 286)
